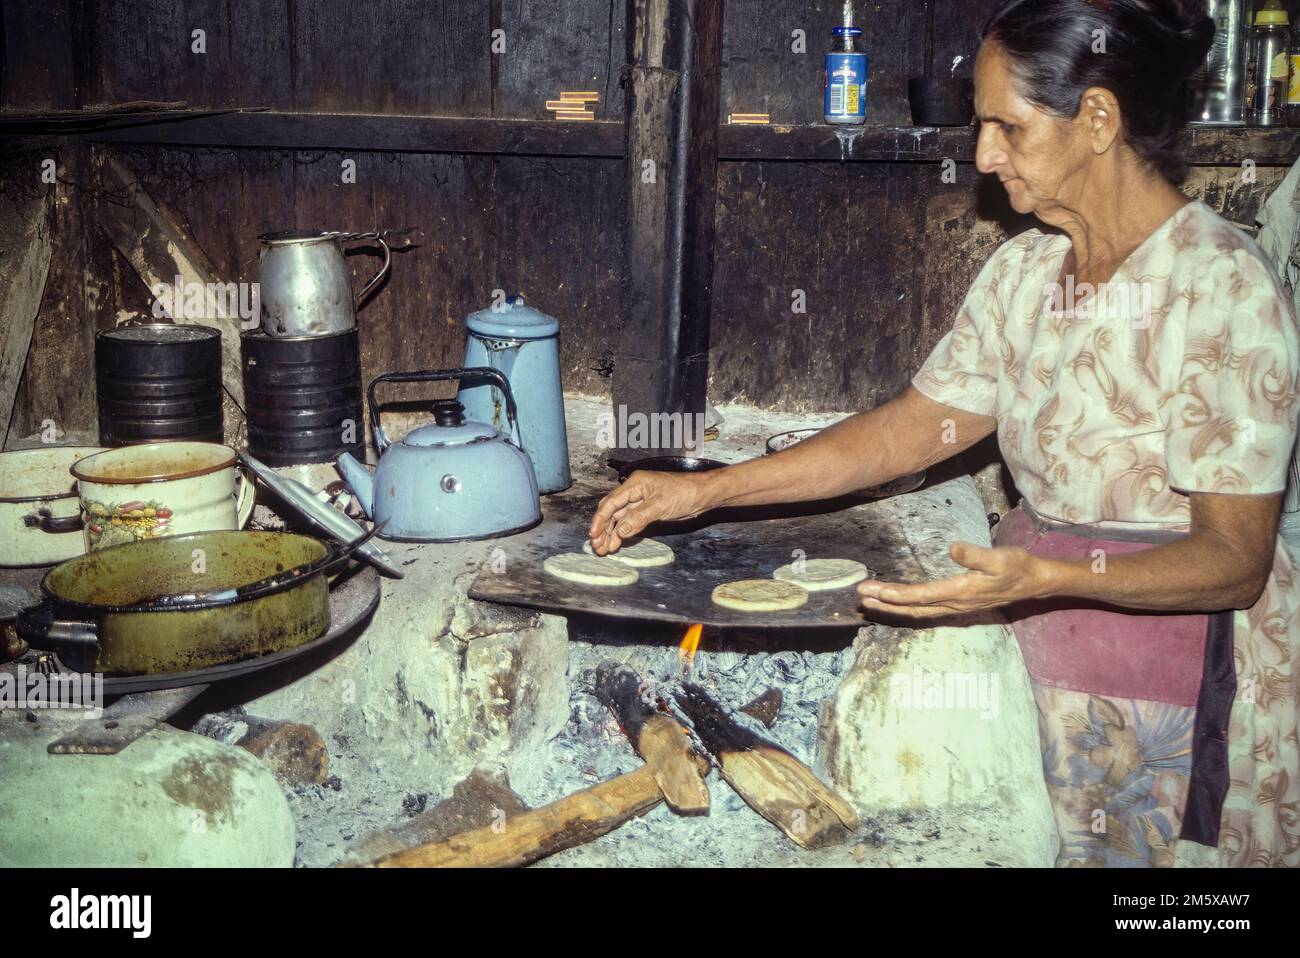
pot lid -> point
(513, 320)
(449, 435)
(449, 428)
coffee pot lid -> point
(512, 320)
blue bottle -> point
(845, 100)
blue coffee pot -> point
(524, 345)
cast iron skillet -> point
(663, 464)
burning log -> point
(522, 839)
(658, 739)
(771, 781)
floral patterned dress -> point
(1179, 376)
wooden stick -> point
(657, 738)
(159, 249)
(771, 781)
(574, 820)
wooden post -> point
(22, 283)
(670, 151)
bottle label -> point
(1293, 94)
(846, 85)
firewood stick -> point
(771, 781)
(575, 820)
(657, 738)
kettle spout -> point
(359, 481)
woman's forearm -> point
(1209, 571)
(903, 436)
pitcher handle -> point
(244, 501)
(375, 280)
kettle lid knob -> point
(448, 412)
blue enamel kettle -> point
(453, 480)
(524, 345)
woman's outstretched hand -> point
(997, 577)
(645, 498)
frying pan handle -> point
(38, 627)
(497, 378)
(43, 520)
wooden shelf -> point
(1206, 146)
(360, 131)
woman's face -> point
(1033, 153)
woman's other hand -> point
(997, 577)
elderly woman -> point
(1138, 360)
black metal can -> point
(158, 382)
(303, 396)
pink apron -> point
(1183, 660)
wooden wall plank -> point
(559, 241)
(554, 45)
(147, 51)
(400, 56)
(845, 237)
(36, 58)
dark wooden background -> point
(882, 251)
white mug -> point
(161, 489)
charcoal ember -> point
(414, 804)
(786, 667)
(765, 707)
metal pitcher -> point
(305, 283)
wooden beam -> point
(670, 155)
(159, 249)
(521, 839)
(24, 265)
(771, 781)
(657, 737)
(345, 131)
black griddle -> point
(733, 544)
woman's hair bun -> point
(1190, 26)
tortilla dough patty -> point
(760, 595)
(639, 553)
(590, 570)
(818, 575)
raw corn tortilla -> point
(639, 553)
(817, 575)
(760, 595)
(590, 570)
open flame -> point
(690, 645)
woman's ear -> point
(1099, 111)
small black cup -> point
(946, 101)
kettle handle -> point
(439, 375)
